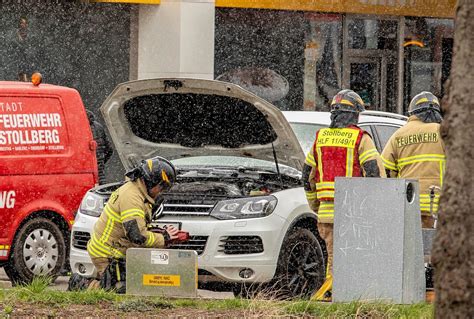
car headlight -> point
(92, 204)
(254, 207)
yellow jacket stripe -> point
(389, 165)
(425, 202)
(326, 212)
(112, 217)
(96, 248)
(325, 194)
(367, 154)
(310, 160)
(320, 162)
(442, 167)
(325, 217)
(420, 158)
(428, 195)
(326, 208)
(438, 156)
(111, 213)
(311, 195)
(322, 185)
(349, 162)
(151, 240)
(130, 214)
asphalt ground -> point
(61, 285)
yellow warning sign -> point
(162, 280)
(340, 137)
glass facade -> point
(248, 40)
(386, 59)
(428, 51)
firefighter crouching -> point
(344, 150)
(417, 151)
(124, 223)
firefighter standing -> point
(417, 151)
(124, 220)
(343, 149)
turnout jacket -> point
(129, 202)
(337, 152)
(417, 151)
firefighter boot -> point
(324, 293)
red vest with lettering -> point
(336, 151)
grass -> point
(39, 293)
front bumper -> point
(213, 259)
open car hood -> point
(177, 118)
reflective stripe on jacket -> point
(417, 151)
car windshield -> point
(305, 133)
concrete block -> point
(378, 248)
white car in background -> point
(380, 125)
(238, 189)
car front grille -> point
(185, 205)
(187, 209)
(80, 239)
(197, 243)
(239, 245)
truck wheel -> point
(300, 270)
(38, 250)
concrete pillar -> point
(175, 39)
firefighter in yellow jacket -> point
(124, 220)
(343, 149)
(417, 151)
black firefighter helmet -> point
(345, 108)
(155, 171)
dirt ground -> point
(109, 310)
(112, 311)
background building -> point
(386, 50)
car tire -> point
(39, 249)
(301, 266)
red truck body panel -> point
(47, 154)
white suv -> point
(238, 190)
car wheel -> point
(300, 270)
(39, 250)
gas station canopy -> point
(424, 8)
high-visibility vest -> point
(337, 155)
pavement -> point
(62, 281)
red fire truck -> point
(47, 163)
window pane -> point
(364, 80)
(428, 51)
(305, 133)
(322, 65)
(372, 34)
(385, 132)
